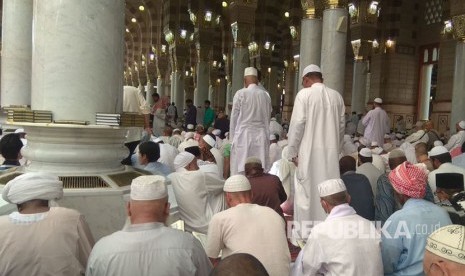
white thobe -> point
(148, 249)
(344, 244)
(376, 124)
(315, 135)
(249, 127)
(459, 160)
(167, 155)
(417, 137)
(275, 152)
(276, 128)
(455, 140)
(371, 172)
(219, 159)
(199, 197)
(134, 102)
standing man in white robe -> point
(376, 123)
(315, 140)
(250, 122)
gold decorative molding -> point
(458, 24)
(335, 4)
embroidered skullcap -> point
(209, 140)
(378, 100)
(250, 71)
(33, 185)
(448, 242)
(437, 151)
(366, 152)
(409, 180)
(148, 187)
(182, 160)
(236, 183)
(311, 69)
(331, 187)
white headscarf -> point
(31, 186)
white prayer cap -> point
(176, 130)
(182, 160)
(20, 130)
(399, 135)
(236, 183)
(216, 132)
(377, 150)
(378, 100)
(387, 136)
(250, 71)
(33, 185)
(310, 69)
(438, 143)
(374, 144)
(347, 138)
(148, 187)
(363, 141)
(331, 187)
(365, 152)
(462, 124)
(448, 242)
(157, 140)
(253, 160)
(437, 151)
(209, 140)
(273, 119)
(188, 135)
(190, 126)
(272, 137)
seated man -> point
(10, 148)
(147, 246)
(267, 189)
(344, 244)
(421, 153)
(239, 264)
(448, 184)
(167, 153)
(198, 194)
(149, 153)
(444, 252)
(405, 231)
(248, 228)
(38, 239)
(366, 167)
(358, 187)
(210, 153)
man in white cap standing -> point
(445, 251)
(38, 239)
(250, 123)
(376, 123)
(199, 195)
(248, 228)
(458, 138)
(315, 140)
(344, 244)
(147, 246)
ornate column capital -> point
(313, 8)
(242, 16)
(361, 49)
(458, 23)
(334, 4)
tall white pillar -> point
(359, 85)
(149, 92)
(203, 79)
(178, 91)
(228, 98)
(211, 95)
(310, 44)
(222, 88)
(77, 61)
(240, 62)
(458, 98)
(425, 91)
(333, 48)
(16, 52)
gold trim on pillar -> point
(458, 24)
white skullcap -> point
(236, 183)
(378, 100)
(363, 141)
(176, 130)
(310, 69)
(190, 126)
(374, 144)
(189, 135)
(437, 151)
(377, 150)
(462, 124)
(438, 143)
(399, 135)
(253, 160)
(273, 119)
(272, 137)
(331, 187)
(182, 160)
(209, 140)
(148, 187)
(365, 152)
(31, 186)
(250, 71)
(20, 130)
(387, 136)
(216, 132)
(448, 242)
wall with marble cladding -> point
(348, 79)
(445, 70)
(400, 79)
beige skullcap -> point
(250, 71)
(438, 150)
(236, 183)
(331, 187)
(448, 242)
(366, 152)
(310, 69)
(378, 100)
(253, 160)
(148, 187)
(396, 154)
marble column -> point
(458, 98)
(359, 82)
(228, 98)
(149, 92)
(161, 86)
(310, 44)
(222, 94)
(75, 85)
(240, 62)
(211, 95)
(177, 96)
(333, 48)
(203, 77)
(425, 91)
(273, 89)
(16, 52)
